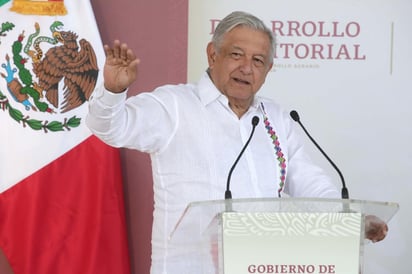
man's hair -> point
(240, 18)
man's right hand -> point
(120, 68)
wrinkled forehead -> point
(247, 33)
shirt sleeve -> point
(143, 122)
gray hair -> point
(240, 18)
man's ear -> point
(211, 54)
(270, 66)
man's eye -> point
(259, 61)
(236, 55)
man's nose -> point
(246, 66)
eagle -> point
(75, 64)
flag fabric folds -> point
(61, 199)
(68, 216)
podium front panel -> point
(291, 242)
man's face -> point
(239, 68)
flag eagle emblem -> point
(51, 71)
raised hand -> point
(120, 68)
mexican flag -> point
(61, 201)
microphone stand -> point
(344, 193)
(228, 193)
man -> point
(194, 132)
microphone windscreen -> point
(255, 120)
(295, 116)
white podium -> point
(275, 235)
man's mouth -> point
(241, 81)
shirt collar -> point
(207, 90)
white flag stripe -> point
(23, 150)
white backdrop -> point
(354, 96)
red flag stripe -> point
(69, 216)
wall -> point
(156, 31)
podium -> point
(275, 235)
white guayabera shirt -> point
(193, 138)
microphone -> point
(295, 117)
(228, 193)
